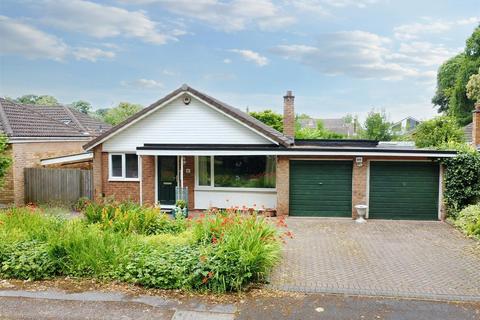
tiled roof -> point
(48, 122)
(231, 111)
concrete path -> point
(53, 304)
(427, 260)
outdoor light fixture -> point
(359, 161)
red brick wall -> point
(148, 180)
(476, 125)
(189, 180)
(119, 190)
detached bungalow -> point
(224, 157)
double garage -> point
(407, 190)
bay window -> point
(123, 166)
(236, 171)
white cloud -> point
(250, 55)
(235, 15)
(102, 21)
(366, 55)
(429, 26)
(92, 54)
(227, 61)
(349, 3)
(143, 84)
(23, 39)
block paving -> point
(413, 259)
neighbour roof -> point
(335, 125)
(19, 121)
(229, 110)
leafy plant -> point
(437, 132)
(181, 204)
(468, 220)
(5, 159)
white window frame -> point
(212, 187)
(123, 177)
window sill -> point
(231, 189)
(123, 179)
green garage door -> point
(321, 188)
(404, 190)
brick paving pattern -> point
(410, 259)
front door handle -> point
(167, 183)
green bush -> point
(220, 252)
(468, 220)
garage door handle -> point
(320, 183)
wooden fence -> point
(57, 185)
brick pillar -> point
(476, 125)
(359, 185)
(289, 115)
(97, 173)
(148, 180)
(283, 181)
(189, 180)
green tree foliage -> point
(270, 118)
(452, 78)
(82, 106)
(377, 127)
(5, 159)
(437, 132)
(473, 87)
(44, 100)
(462, 180)
(121, 112)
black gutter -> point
(336, 142)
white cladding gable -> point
(177, 123)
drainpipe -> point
(181, 171)
(140, 174)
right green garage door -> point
(404, 190)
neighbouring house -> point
(406, 125)
(334, 125)
(191, 141)
(40, 132)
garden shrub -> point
(462, 180)
(468, 220)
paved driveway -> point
(390, 258)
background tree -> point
(452, 78)
(5, 159)
(438, 132)
(316, 133)
(82, 106)
(44, 100)
(270, 118)
(121, 112)
(473, 87)
(377, 127)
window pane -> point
(131, 166)
(204, 175)
(116, 165)
(244, 171)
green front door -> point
(404, 190)
(321, 188)
(167, 179)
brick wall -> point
(148, 180)
(189, 180)
(359, 185)
(97, 173)
(476, 125)
(28, 155)
(283, 185)
(6, 190)
(119, 190)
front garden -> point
(217, 252)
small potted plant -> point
(181, 209)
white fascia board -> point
(68, 159)
(288, 153)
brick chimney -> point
(289, 115)
(476, 126)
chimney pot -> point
(289, 115)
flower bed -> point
(218, 252)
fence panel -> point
(44, 185)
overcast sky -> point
(337, 56)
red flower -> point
(214, 240)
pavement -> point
(409, 259)
(54, 304)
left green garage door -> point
(321, 188)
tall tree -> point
(121, 112)
(5, 159)
(270, 118)
(44, 100)
(452, 78)
(82, 106)
(437, 132)
(377, 127)
(473, 87)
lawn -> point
(218, 251)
